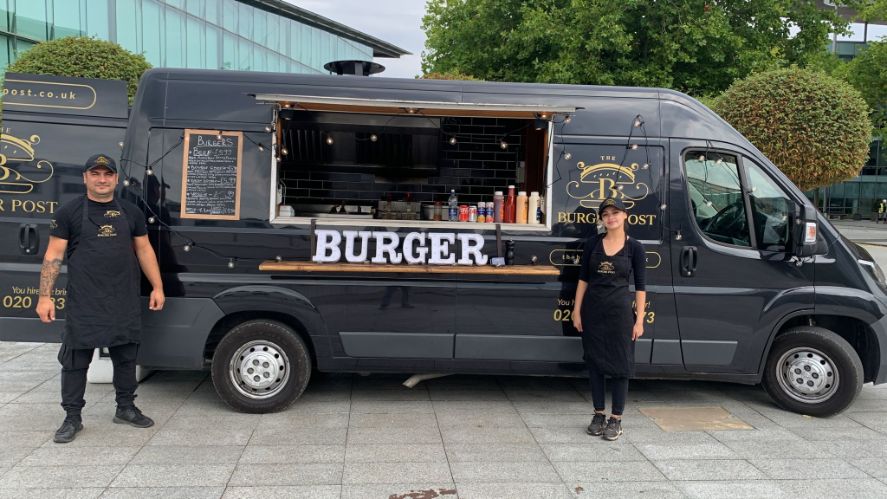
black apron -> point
(103, 283)
(607, 315)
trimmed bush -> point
(815, 128)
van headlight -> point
(876, 272)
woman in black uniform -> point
(602, 313)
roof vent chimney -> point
(358, 68)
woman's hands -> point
(637, 331)
(577, 320)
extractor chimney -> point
(359, 68)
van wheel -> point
(261, 366)
(813, 371)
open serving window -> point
(395, 163)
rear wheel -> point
(813, 371)
(261, 366)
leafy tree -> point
(453, 75)
(697, 46)
(867, 72)
(85, 58)
(814, 127)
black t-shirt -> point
(633, 249)
(69, 219)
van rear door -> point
(51, 125)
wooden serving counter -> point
(290, 266)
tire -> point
(278, 358)
(813, 371)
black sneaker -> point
(613, 429)
(132, 416)
(596, 428)
(67, 431)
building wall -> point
(208, 34)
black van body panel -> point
(185, 323)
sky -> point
(394, 21)
(400, 22)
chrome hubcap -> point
(259, 369)
(807, 375)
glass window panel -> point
(260, 59)
(229, 15)
(194, 7)
(882, 153)
(245, 20)
(194, 43)
(66, 18)
(21, 46)
(244, 54)
(4, 52)
(306, 55)
(30, 19)
(5, 16)
(97, 21)
(152, 32)
(176, 3)
(229, 52)
(212, 11)
(770, 208)
(127, 30)
(260, 26)
(272, 33)
(175, 39)
(211, 54)
(295, 39)
(716, 197)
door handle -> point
(689, 257)
(28, 239)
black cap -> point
(614, 202)
(100, 161)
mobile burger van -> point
(304, 222)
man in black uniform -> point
(105, 241)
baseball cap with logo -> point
(614, 202)
(100, 161)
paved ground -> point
(471, 436)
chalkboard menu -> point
(211, 166)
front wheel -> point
(261, 366)
(813, 371)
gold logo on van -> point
(27, 171)
(607, 180)
(107, 231)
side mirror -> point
(805, 232)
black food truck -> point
(352, 224)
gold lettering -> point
(29, 206)
(2, 207)
(607, 191)
(564, 217)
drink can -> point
(463, 212)
(472, 213)
(481, 212)
(491, 211)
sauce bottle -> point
(533, 208)
(508, 208)
(498, 206)
(521, 210)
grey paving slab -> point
(420, 435)
(174, 475)
(463, 382)
(667, 451)
(560, 435)
(477, 406)
(223, 420)
(10, 456)
(387, 407)
(402, 395)
(286, 474)
(393, 453)
(593, 450)
(107, 434)
(747, 489)
(857, 432)
(289, 492)
(778, 449)
(202, 436)
(164, 493)
(593, 471)
(60, 455)
(24, 438)
(365, 473)
(510, 490)
(309, 407)
(27, 477)
(504, 472)
(486, 435)
(542, 407)
(868, 487)
(876, 420)
(709, 469)
(289, 454)
(874, 466)
(391, 420)
(298, 436)
(856, 449)
(440, 490)
(52, 493)
(627, 490)
(213, 454)
(494, 453)
(754, 435)
(550, 396)
(467, 395)
(287, 420)
(498, 419)
(798, 469)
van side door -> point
(734, 280)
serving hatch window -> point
(400, 165)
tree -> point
(867, 72)
(85, 58)
(815, 128)
(696, 46)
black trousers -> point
(76, 361)
(618, 389)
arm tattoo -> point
(48, 274)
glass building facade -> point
(266, 35)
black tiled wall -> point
(475, 166)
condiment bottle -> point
(498, 205)
(533, 208)
(509, 207)
(521, 210)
